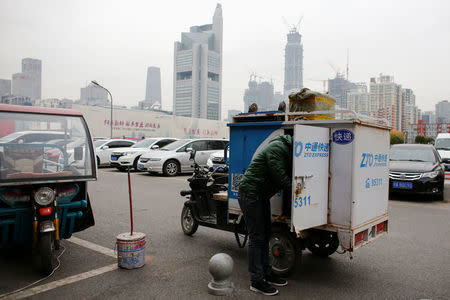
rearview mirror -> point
(155, 147)
(78, 153)
(105, 147)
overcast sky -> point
(114, 42)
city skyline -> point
(86, 45)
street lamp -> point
(111, 119)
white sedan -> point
(104, 148)
(123, 158)
(174, 158)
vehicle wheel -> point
(171, 168)
(440, 196)
(188, 223)
(284, 254)
(98, 161)
(46, 251)
(135, 163)
(322, 243)
(122, 169)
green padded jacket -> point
(270, 170)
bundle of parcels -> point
(309, 101)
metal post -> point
(131, 202)
(111, 118)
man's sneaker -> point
(264, 288)
(275, 280)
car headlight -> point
(154, 159)
(44, 196)
(430, 174)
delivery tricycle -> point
(340, 185)
(46, 160)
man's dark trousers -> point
(257, 216)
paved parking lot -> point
(411, 262)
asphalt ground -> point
(412, 261)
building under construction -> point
(293, 62)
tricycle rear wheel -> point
(284, 253)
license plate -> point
(113, 158)
(402, 185)
(140, 166)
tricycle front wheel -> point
(188, 222)
(47, 253)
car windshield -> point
(442, 144)
(175, 145)
(411, 154)
(144, 143)
(36, 147)
(98, 143)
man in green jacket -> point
(269, 172)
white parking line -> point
(92, 246)
(55, 284)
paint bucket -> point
(131, 250)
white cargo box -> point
(341, 179)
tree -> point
(397, 137)
(424, 140)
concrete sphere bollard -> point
(221, 267)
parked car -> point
(216, 160)
(30, 136)
(122, 158)
(442, 145)
(416, 169)
(173, 159)
(104, 148)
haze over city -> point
(115, 42)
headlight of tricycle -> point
(44, 196)
(430, 174)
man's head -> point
(253, 108)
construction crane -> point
(335, 69)
(292, 27)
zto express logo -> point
(314, 149)
(343, 136)
(369, 160)
(298, 149)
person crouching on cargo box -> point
(269, 172)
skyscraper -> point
(5, 87)
(409, 109)
(357, 99)
(197, 76)
(443, 112)
(153, 86)
(93, 95)
(33, 68)
(261, 93)
(22, 85)
(293, 62)
(385, 100)
(338, 87)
